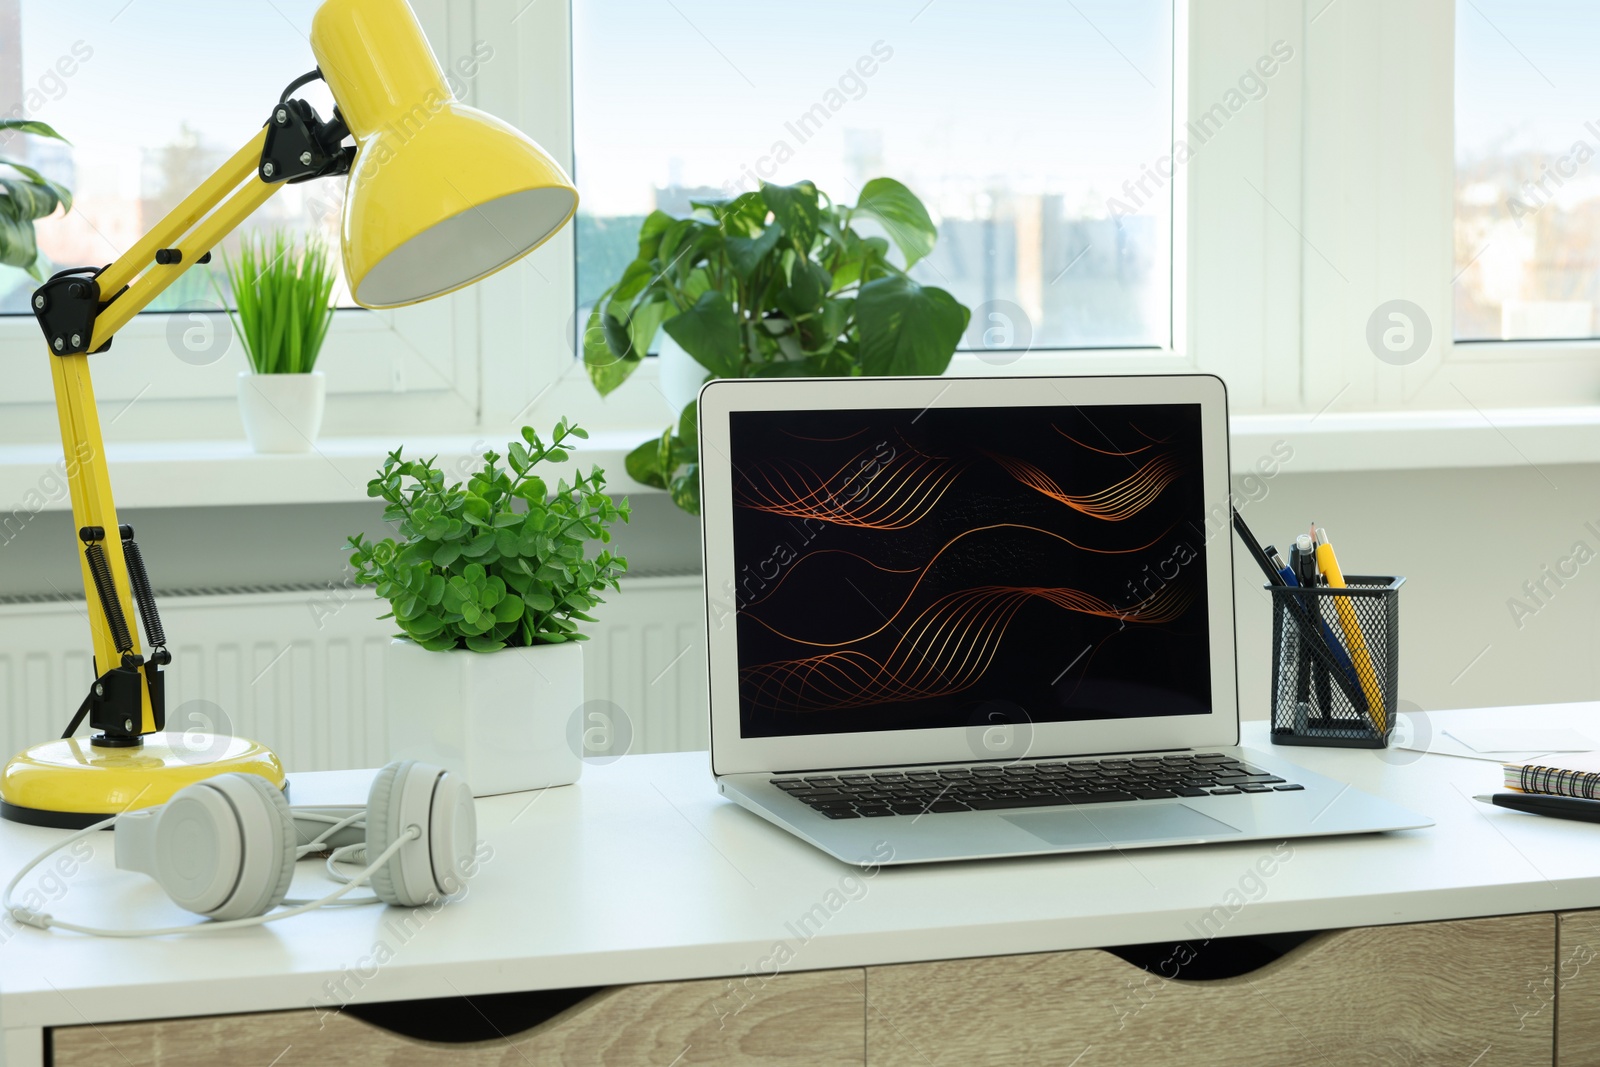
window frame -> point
(1380, 201)
(543, 102)
(1555, 355)
(1253, 299)
(1292, 175)
(1248, 303)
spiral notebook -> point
(1566, 776)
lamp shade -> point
(441, 194)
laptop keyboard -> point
(1050, 783)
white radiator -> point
(302, 670)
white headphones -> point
(226, 848)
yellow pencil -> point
(1328, 564)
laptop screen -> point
(917, 569)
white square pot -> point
(498, 719)
(282, 412)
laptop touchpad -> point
(1113, 825)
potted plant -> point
(772, 283)
(489, 583)
(28, 197)
(281, 288)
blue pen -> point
(1341, 658)
(1284, 569)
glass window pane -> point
(1016, 121)
(1527, 241)
(153, 97)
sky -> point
(964, 96)
(149, 58)
(1032, 94)
(1526, 76)
(1036, 92)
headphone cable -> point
(44, 921)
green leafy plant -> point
(773, 283)
(27, 197)
(474, 569)
(282, 287)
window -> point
(1527, 233)
(130, 163)
(1028, 127)
(153, 97)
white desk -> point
(640, 873)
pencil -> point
(1328, 563)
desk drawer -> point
(799, 1020)
(1431, 993)
(1570, 989)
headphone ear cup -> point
(405, 794)
(192, 846)
(378, 832)
(384, 815)
(267, 866)
(222, 848)
(282, 844)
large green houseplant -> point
(773, 283)
(27, 197)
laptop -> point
(961, 618)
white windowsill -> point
(220, 473)
(1420, 440)
(203, 473)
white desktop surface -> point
(640, 872)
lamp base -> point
(72, 784)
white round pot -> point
(282, 412)
(681, 377)
(501, 720)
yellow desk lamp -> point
(439, 196)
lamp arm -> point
(80, 311)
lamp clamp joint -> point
(66, 306)
(114, 708)
(301, 145)
(114, 705)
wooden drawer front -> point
(797, 1020)
(1571, 988)
(1432, 993)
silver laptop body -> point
(963, 618)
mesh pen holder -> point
(1337, 662)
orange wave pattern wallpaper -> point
(908, 569)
